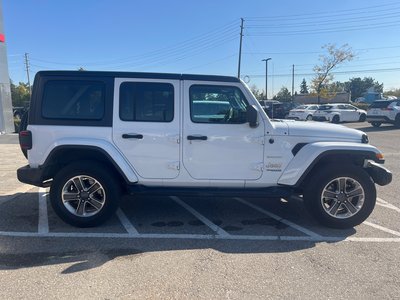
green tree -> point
(283, 95)
(303, 87)
(358, 86)
(20, 94)
(323, 72)
(259, 94)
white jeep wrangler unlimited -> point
(93, 135)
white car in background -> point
(303, 112)
(384, 111)
(339, 112)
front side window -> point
(146, 102)
(217, 104)
(73, 100)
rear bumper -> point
(319, 118)
(382, 119)
(33, 176)
(379, 174)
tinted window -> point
(325, 107)
(380, 104)
(146, 102)
(70, 99)
(217, 104)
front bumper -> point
(33, 176)
(379, 174)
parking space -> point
(207, 217)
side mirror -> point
(252, 116)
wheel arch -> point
(313, 156)
(64, 154)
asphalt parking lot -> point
(199, 247)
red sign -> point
(2, 38)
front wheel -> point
(340, 196)
(376, 124)
(309, 118)
(85, 194)
(362, 118)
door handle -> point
(197, 137)
(132, 136)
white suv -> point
(339, 112)
(303, 112)
(93, 135)
(384, 111)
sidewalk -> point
(11, 158)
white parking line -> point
(382, 228)
(383, 203)
(199, 237)
(202, 218)
(43, 224)
(278, 218)
(126, 223)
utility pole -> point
(292, 83)
(266, 76)
(27, 72)
(240, 45)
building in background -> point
(6, 114)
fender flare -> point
(114, 157)
(311, 154)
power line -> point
(345, 12)
(210, 36)
(326, 30)
(335, 73)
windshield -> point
(301, 107)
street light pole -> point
(266, 76)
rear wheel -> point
(85, 194)
(336, 119)
(362, 118)
(340, 196)
(397, 121)
(376, 124)
(309, 118)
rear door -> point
(146, 125)
(218, 143)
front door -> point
(146, 125)
(218, 143)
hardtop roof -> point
(114, 74)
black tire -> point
(110, 189)
(322, 177)
(362, 118)
(376, 124)
(336, 119)
(397, 121)
(309, 118)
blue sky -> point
(203, 37)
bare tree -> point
(329, 61)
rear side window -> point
(380, 104)
(146, 102)
(73, 100)
(325, 107)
